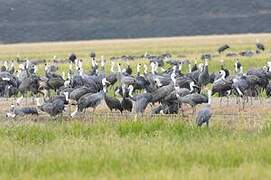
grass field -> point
(132, 150)
(190, 47)
(150, 149)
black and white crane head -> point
(5, 64)
(259, 45)
(269, 66)
(145, 69)
(80, 64)
(105, 83)
(189, 68)
(153, 67)
(156, 66)
(173, 78)
(201, 67)
(206, 62)
(138, 69)
(238, 67)
(112, 68)
(131, 89)
(222, 76)
(93, 62)
(180, 66)
(102, 62)
(192, 85)
(119, 68)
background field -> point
(157, 148)
(189, 47)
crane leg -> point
(228, 99)
(221, 99)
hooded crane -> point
(90, 99)
(223, 48)
(113, 103)
(126, 103)
(204, 116)
(29, 84)
(204, 77)
(222, 86)
(259, 46)
(141, 101)
(14, 112)
(194, 99)
(53, 108)
(238, 67)
(79, 92)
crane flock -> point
(159, 83)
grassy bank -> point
(131, 150)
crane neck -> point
(209, 97)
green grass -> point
(156, 149)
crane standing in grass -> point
(204, 115)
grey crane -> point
(222, 86)
(223, 48)
(204, 78)
(259, 45)
(113, 103)
(30, 84)
(141, 101)
(194, 99)
(79, 92)
(127, 104)
(90, 100)
(162, 92)
(238, 67)
(53, 108)
(204, 116)
(14, 111)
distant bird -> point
(259, 45)
(79, 92)
(222, 86)
(129, 70)
(90, 100)
(14, 112)
(204, 77)
(72, 57)
(238, 67)
(92, 54)
(141, 102)
(241, 86)
(223, 48)
(194, 99)
(127, 104)
(53, 108)
(195, 66)
(203, 116)
(113, 103)
(162, 92)
(55, 83)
